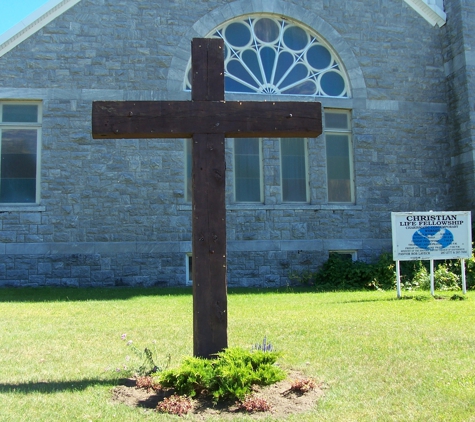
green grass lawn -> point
(382, 359)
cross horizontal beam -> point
(182, 119)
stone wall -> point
(459, 62)
(113, 212)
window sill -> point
(294, 206)
(303, 207)
(22, 208)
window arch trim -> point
(266, 54)
(224, 13)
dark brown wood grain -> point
(209, 245)
(210, 307)
(207, 58)
(208, 119)
(182, 119)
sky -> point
(12, 12)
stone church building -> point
(396, 80)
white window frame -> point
(348, 132)
(25, 125)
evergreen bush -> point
(230, 376)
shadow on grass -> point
(52, 387)
(72, 294)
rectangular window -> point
(339, 157)
(347, 255)
(189, 268)
(247, 170)
(20, 133)
(294, 170)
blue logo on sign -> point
(432, 238)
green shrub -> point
(384, 272)
(454, 266)
(230, 376)
(341, 273)
(193, 377)
(420, 277)
(444, 279)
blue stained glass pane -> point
(248, 190)
(332, 84)
(319, 57)
(295, 38)
(338, 165)
(20, 113)
(266, 30)
(250, 58)
(305, 88)
(268, 59)
(18, 190)
(246, 146)
(237, 69)
(336, 120)
(298, 73)
(293, 170)
(238, 34)
(247, 170)
(284, 62)
(18, 166)
(230, 85)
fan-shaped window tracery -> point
(269, 55)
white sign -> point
(431, 235)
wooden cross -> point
(208, 119)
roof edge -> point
(33, 23)
(430, 10)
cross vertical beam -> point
(208, 119)
(210, 318)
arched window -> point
(270, 55)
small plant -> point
(458, 297)
(421, 278)
(148, 364)
(253, 404)
(265, 346)
(175, 405)
(303, 385)
(147, 383)
(306, 278)
(446, 280)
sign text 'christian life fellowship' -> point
(431, 235)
